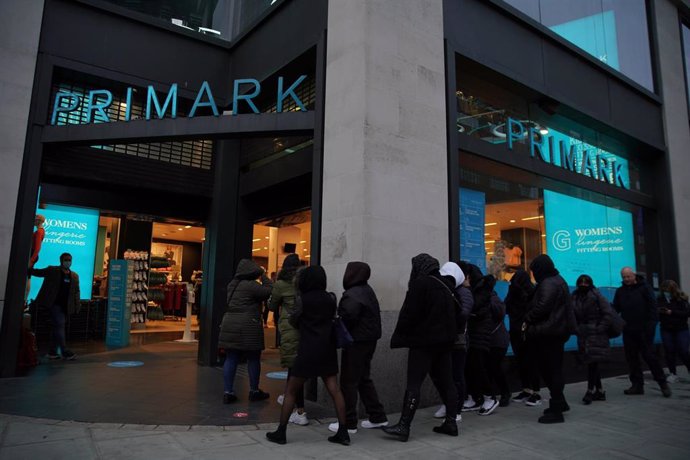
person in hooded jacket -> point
(635, 302)
(282, 304)
(316, 354)
(498, 347)
(459, 353)
(517, 302)
(427, 326)
(241, 330)
(550, 320)
(673, 318)
(480, 326)
(593, 314)
(359, 309)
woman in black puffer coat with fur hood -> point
(593, 314)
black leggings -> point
(593, 376)
(526, 360)
(299, 396)
(478, 382)
(498, 377)
(438, 364)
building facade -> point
(489, 131)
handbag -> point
(343, 338)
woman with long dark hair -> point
(316, 355)
(673, 317)
(593, 314)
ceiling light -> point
(489, 253)
(307, 256)
(532, 218)
(303, 241)
(487, 234)
(257, 249)
(305, 249)
(187, 226)
(490, 224)
(265, 237)
(265, 247)
(256, 239)
(543, 235)
(512, 221)
(180, 228)
(164, 234)
(203, 239)
(543, 131)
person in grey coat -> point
(593, 314)
(241, 330)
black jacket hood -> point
(542, 267)
(248, 270)
(356, 273)
(290, 266)
(423, 265)
(311, 278)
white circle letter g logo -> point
(561, 240)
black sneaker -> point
(665, 390)
(258, 395)
(504, 401)
(229, 398)
(533, 400)
(599, 395)
(69, 355)
(522, 396)
(588, 398)
(634, 390)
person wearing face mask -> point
(593, 314)
(635, 302)
(673, 318)
(60, 294)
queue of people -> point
(452, 324)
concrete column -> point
(385, 187)
(677, 127)
(20, 29)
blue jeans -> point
(232, 359)
(57, 330)
(676, 343)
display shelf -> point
(140, 287)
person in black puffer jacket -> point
(479, 329)
(634, 300)
(498, 347)
(241, 330)
(517, 302)
(316, 356)
(359, 309)
(594, 316)
(550, 320)
(427, 325)
(673, 317)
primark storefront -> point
(489, 131)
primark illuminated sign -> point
(97, 101)
(568, 153)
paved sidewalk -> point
(623, 427)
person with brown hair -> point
(673, 318)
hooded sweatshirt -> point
(359, 307)
(519, 296)
(463, 294)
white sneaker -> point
(368, 424)
(299, 419)
(334, 428)
(441, 412)
(490, 404)
(280, 399)
(672, 378)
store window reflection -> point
(224, 19)
(613, 31)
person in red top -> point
(36, 242)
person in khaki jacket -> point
(60, 294)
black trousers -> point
(636, 344)
(478, 381)
(496, 374)
(458, 359)
(549, 353)
(437, 363)
(355, 378)
(593, 376)
(299, 397)
(526, 361)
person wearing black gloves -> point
(635, 302)
(549, 321)
(673, 316)
(517, 302)
(427, 326)
(359, 309)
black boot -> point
(599, 395)
(635, 389)
(278, 436)
(665, 389)
(588, 397)
(401, 430)
(554, 414)
(557, 406)
(449, 427)
(341, 437)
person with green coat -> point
(283, 303)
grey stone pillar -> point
(677, 127)
(385, 186)
(20, 28)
